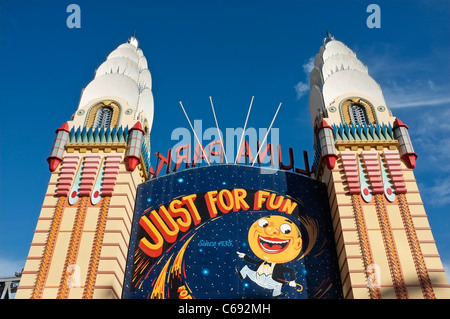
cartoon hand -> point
(292, 283)
(241, 255)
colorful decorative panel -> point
(232, 231)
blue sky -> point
(230, 50)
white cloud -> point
(439, 191)
(430, 133)
(409, 82)
(419, 93)
(308, 66)
(302, 87)
(423, 101)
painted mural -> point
(232, 231)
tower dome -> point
(124, 78)
(338, 75)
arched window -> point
(104, 114)
(358, 114)
(357, 111)
(103, 117)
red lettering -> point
(291, 159)
(164, 160)
(305, 171)
(185, 157)
(219, 153)
(246, 153)
(199, 154)
(264, 152)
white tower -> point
(339, 76)
(99, 157)
(364, 155)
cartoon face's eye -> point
(263, 222)
(285, 228)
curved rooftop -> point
(338, 71)
(124, 74)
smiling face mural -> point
(275, 239)
(241, 234)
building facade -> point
(363, 154)
(98, 159)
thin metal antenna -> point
(198, 141)
(218, 131)
(243, 132)
(265, 137)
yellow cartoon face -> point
(275, 239)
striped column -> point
(48, 250)
(372, 164)
(110, 172)
(373, 169)
(416, 251)
(89, 173)
(112, 163)
(393, 163)
(350, 165)
(68, 170)
(91, 277)
(366, 250)
(72, 252)
(351, 171)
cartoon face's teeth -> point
(273, 242)
(272, 246)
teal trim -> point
(98, 135)
(145, 156)
(363, 133)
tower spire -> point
(132, 40)
(328, 37)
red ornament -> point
(132, 157)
